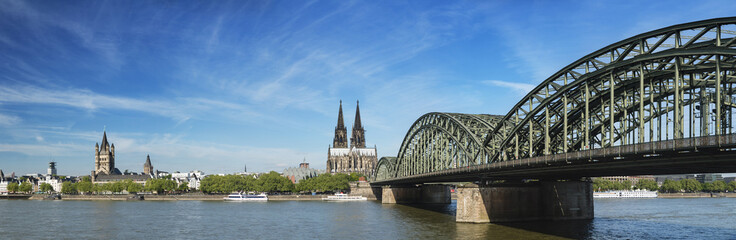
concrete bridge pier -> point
(546, 200)
(423, 194)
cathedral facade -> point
(352, 158)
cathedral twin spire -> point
(358, 135)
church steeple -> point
(148, 167)
(340, 140)
(358, 137)
(104, 140)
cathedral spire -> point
(357, 123)
(340, 122)
(340, 140)
(358, 137)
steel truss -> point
(672, 83)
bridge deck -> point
(710, 154)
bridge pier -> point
(547, 200)
(423, 194)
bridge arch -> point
(668, 84)
(654, 86)
(385, 169)
(438, 141)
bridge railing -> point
(651, 149)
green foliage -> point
(182, 187)
(324, 183)
(273, 182)
(690, 185)
(12, 187)
(269, 182)
(717, 186)
(45, 187)
(355, 176)
(607, 185)
(160, 185)
(86, 179)
(84, 186)
(670, 186)
(731, 186)
(25, 187)
(647, 184)
(133, 187)
(68, 188)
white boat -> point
(625, 194)
(344, 197)
(250, 197)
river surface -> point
(699, 218)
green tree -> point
(25, 187)
(355, 176)
(68, 188)
(731, 186)
(647, 184)
(670, 186)
(718, 186)
(12, 187)
(183, 187)
(602, 185)
(84, 186)
(707, 187)
(134, 187)
(86, 179)
(691, 185)
(45, 187)
(274, 182)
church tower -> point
(341, 133)
(105, 157)
(357, 140)
(147, 167)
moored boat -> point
(250, 197)
(625, 194)
(344, 197)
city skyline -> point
(214, 86)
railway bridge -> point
(659, 102)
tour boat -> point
(344, 197)
(240, 197)
(625, 194)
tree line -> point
(668, 186)
(25, 187)
(274, 182)
(161, 185)
(269, 182)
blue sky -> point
(214, 85)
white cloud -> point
(179, 110)
(521, 88)
(9, 120)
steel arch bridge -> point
(663, 86)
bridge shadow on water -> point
(442, 218)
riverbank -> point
(182, 197)
(15, 196)
(696, 195)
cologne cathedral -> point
(353, 159)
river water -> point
(700, 218)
